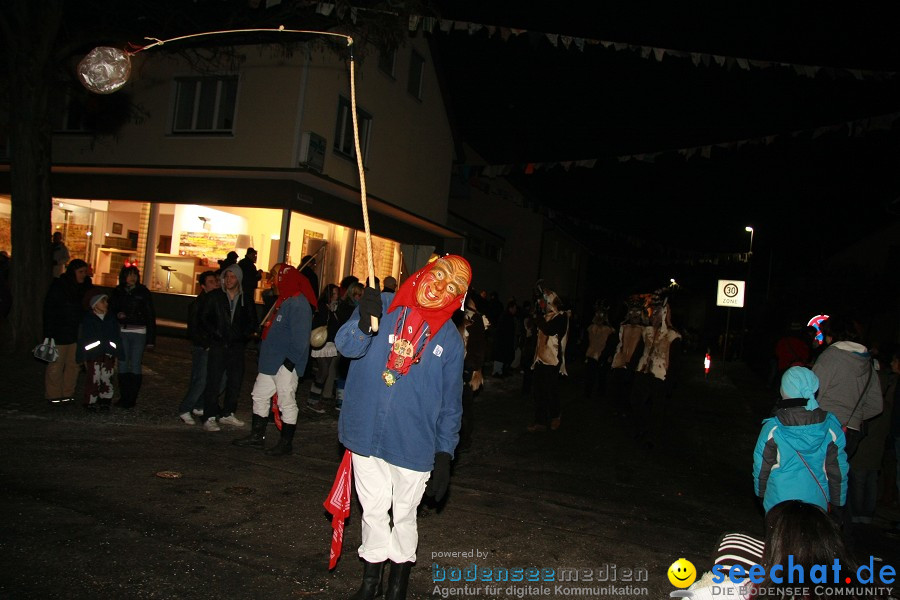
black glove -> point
(369, 306)
(289, 365)
(440, 477)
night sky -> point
(779, 154)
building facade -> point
(258, 152)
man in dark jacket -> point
(471, 326)
(250, 274)
(192, 403)
(310, 264)
(226, 320)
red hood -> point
(406, 296)
(292, 282)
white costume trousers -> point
(284, 382)
(380, 486)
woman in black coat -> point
(132, 305)
(63, 312)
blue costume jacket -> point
(288, 337)
(407, 423)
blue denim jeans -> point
(194, 396)
(133, 344)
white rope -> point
(281, 29)
(362, 185)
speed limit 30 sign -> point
(730, 293)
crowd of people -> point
(403, 365)
(103, 333)
(817, 469)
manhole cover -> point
(168, 474)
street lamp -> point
(749, 230)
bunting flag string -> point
(633, 251)
(431, 24)
(854, 128)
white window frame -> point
(219, 104)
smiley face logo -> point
(682, 573)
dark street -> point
(87, 515)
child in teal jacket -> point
(800, 454)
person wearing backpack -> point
(799, 454)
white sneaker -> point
(187, 418)
(231, 420)
(316, 407)
(211, 425)
(198, 412)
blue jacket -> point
(288, 337)
(407, 423)
(800, 455)
(98, 337)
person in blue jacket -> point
(800, 453)
(99, 345)
(283, 353)
(401, 413)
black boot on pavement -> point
(398, 581)
(371, 583)
(126, 387)
(136, 387)
(257, 436)
(285, 442)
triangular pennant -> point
(338, 505)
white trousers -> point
(381, 486)
(284, 383)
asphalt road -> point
(87, 516)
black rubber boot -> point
(371, 583)
(257, 436)
(136, 387)
(285, 442)
(126, 390)
(398, 581)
